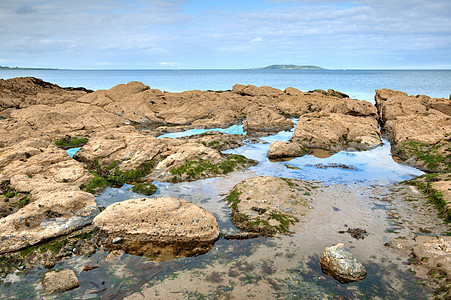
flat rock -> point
(59, 281)
(160, 225)
(49, 215)
(339, 263)
(268, 205)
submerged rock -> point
(339, 263)
(59, 281)
(160, 228)
(268, 205)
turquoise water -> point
(359, 84)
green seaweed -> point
(196, 169)
(144, 188)
(71, 142)
(429, 154)
(233, 199)
(424, 184)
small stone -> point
(59, 281)
(116, 240)
(339, 263)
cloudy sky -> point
(335, 34)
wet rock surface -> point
(160, 227)
(268, 205)
(339, 263)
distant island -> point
(290, 67)
(19, 68)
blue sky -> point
(152, 34)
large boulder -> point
(339, 263)
(268, 205)
(161, 228)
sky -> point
(225, 34)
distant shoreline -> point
(19, 68)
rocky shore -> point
(47, 197)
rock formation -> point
(419, 128)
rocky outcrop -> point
(280, 149)
(160, 228)
(49, 215)
(41, 196)
(334, 131)
(268, 205)
(59, 281)
(26, 91)
(339, 263)
(426, 147)
(134, 156)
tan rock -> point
(337, 132)
(27, 91)
(281, 149)
(262, 119)
(268, 205)
(434, 253)
(51, 214)
(59, 281)
(144, 226)
(419, 127)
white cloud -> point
(256, 40)
(167, 63)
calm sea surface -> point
(359, 84)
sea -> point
(358, 84)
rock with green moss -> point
(71, 142)
(268, 205)
(419, 127)
(437, 187)
(144, 188)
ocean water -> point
(358, 84)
